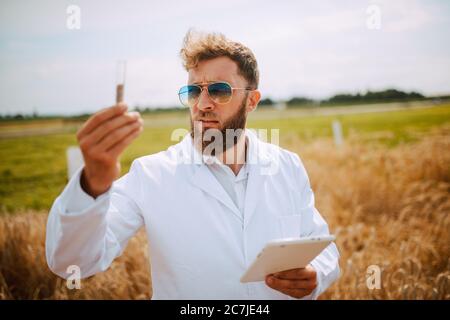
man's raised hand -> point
(102, 139)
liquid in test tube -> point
(121, 72)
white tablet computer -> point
(285, 254)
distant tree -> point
(374, 96)
(341, 98)
(299, 101)
(267, 102)
(416, 95)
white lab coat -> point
(199, 244)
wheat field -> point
(388, 207)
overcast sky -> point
(314, 49)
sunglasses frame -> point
(203, 85)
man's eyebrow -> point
(211, 81)
(199, 82)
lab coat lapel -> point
(203, 178)
(257, 159)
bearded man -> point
(208, 204)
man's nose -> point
(204, 101)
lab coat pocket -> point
(289, 225)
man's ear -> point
(253, 100)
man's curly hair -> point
(205, 46)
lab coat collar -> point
(257, 152)
(259, 159)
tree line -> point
(384, 96)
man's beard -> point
(230, 132)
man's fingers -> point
(106, 127)
(118, 148)
(289, 289)
(299, 273)
(278, 284)
(118, 134)
(99, 117)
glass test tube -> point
(121, 72)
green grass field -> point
(33, 164)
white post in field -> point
(337, 133)
(74, 160)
